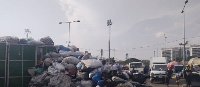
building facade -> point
(195, 50)
(177, 52)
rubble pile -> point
(71, 68)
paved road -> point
(172, 83)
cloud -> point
(159, 34)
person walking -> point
(168, 75)
(188, 76)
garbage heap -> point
(71, 68)
(15, 40)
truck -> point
(137, 66)
(158, 67)
(136, 72)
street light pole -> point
(184, 55)
(27, 31)
(69, 29)
(165, 47)
(109, 23)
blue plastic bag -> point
(101, 83)
(61, 47)
(96, 77)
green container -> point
(2, 64)
(16, 59)
(26, 66)
(15, 82)
(15, 52)
(2, 69)
(21, 57)
(2, 82)
(15, 68)
(29, 52)
(50, 49)
(26, 81)
(2, 51)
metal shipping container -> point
(16, 59)
(3, 64)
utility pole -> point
(109, 23)
(101, 53)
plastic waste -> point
(63, 48)
(60, 80)
(86, 83)
(73, 48)
(115, 78)
(47, 62)
(83, 75)
(9, 39)
(127, 76)
(68, 66)
(96, 77)
(31, 71)
(52, 70)
(79, 65)
(92, 63)
(38, 70)
(58, 66)
(47, 40)
(72, 71)
(34, 42)
(101, 83)
(71, 60)
(22, 41)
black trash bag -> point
(138, 78)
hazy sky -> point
(138, 25)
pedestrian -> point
(188, 75)
(178, 75)
(168, 76)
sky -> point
(138, 26)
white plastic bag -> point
(85, 83)
(68, 66)
(52, 70)
(92, 63)
(59, 66)
(71, 60)
(66, 53)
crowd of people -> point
(187, 74)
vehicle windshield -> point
(136, 65)
(178, 68)
(160, 67)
